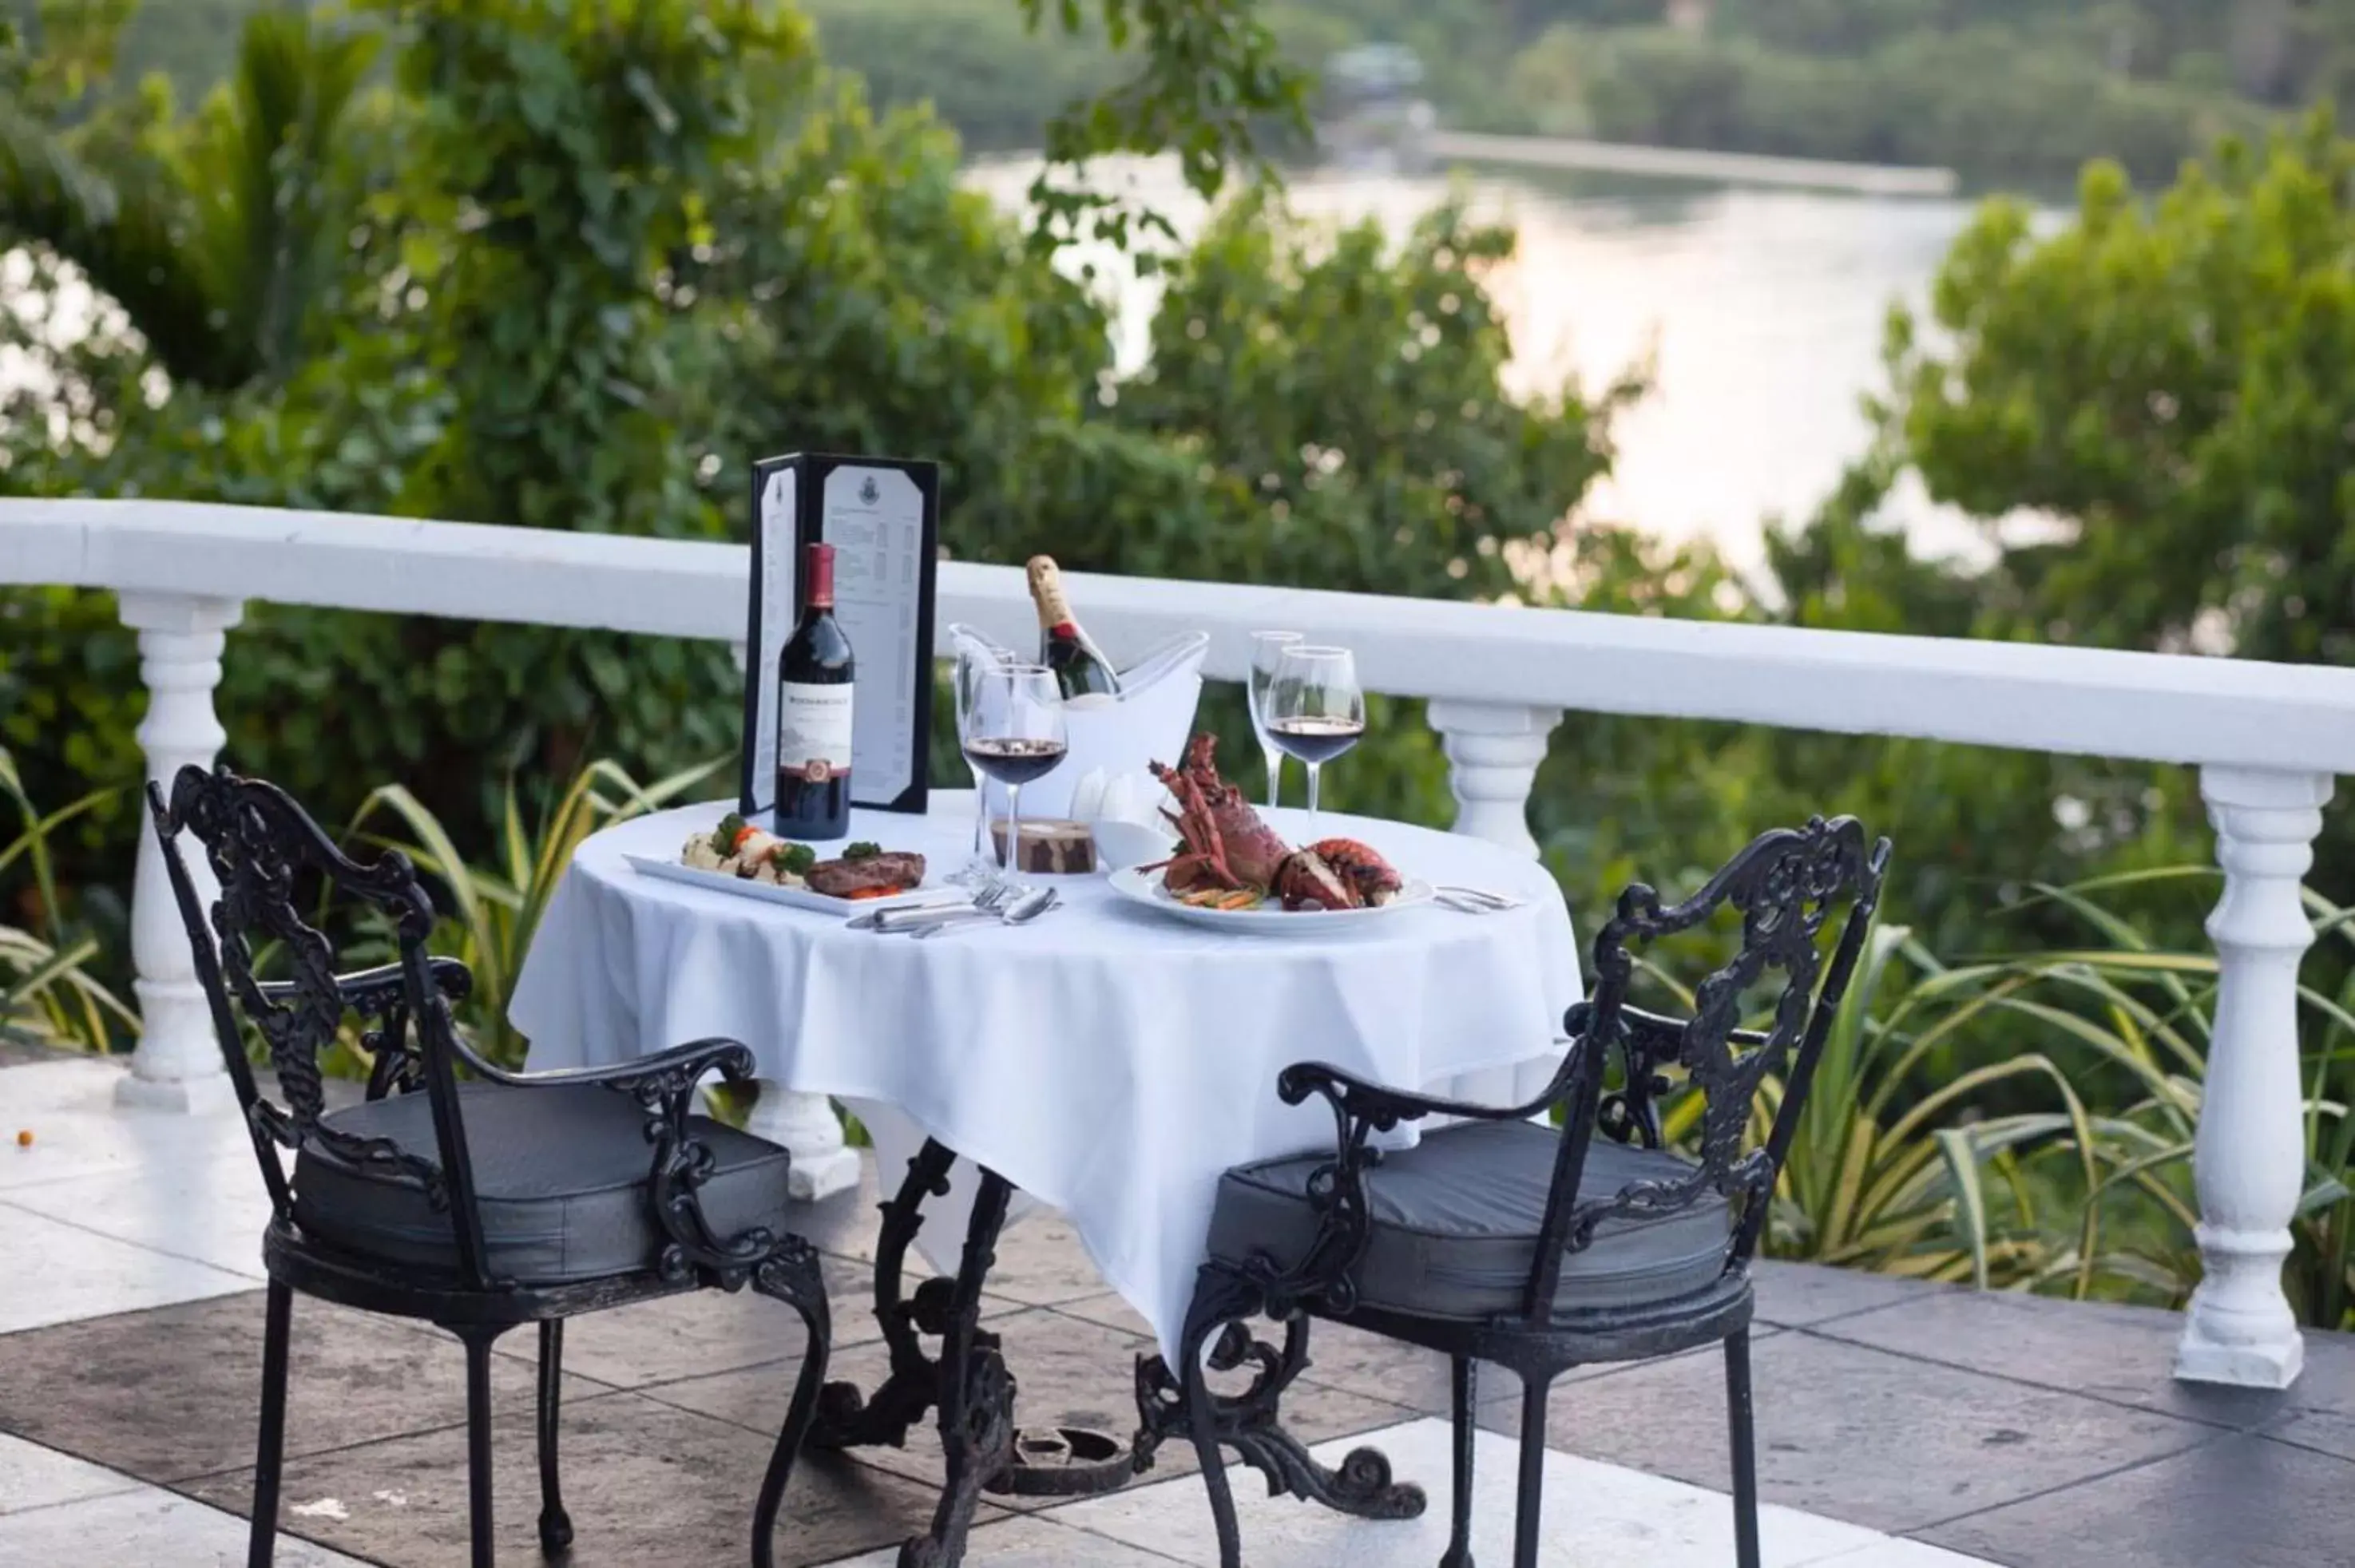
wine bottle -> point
(813, 694)
(1080, 668)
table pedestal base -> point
(968, 1384)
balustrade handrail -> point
(2268, 739)
(2156, 708)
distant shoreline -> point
(1692, 163)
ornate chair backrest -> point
(259, 844)
(1786, 886)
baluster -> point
(178, 1064)
(805, 1124)
(1493, 752)
(2249, 1155)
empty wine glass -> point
(1014, 733)
(1316, 709)
(1267, 648)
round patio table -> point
(1107, 1059)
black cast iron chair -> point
(1501, 1239)
(481, 1206)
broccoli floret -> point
(794, 858)
(723, 838)
(862, 850)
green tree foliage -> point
(219, 238)
(984, 69)
(2167, 381)
(605, 254)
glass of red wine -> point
(1267, 652)
(1316, 709)
(1014, 734)
(975, 658)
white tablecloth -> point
(1108, 1061)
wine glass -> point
(1014, 733)
(1316, 709)
(1267, 647)
(975, 658)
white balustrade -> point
(807, 1124)
(2268, 739)
(2249, 1159)
(1493, 753)
(178, 1063)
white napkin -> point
(1104, 796)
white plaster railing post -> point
(178, 1064)
(1493, 753)
(805, 1124)
(2249, 1157)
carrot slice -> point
(872, 893)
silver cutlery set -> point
(995, 905)
(1000, 904)
(1473, 900)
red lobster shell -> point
(1373, 879)
(1223, 842)
(1305, 881)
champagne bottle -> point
(1080, 668)
(814, 696)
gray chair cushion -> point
(560, 1176)
(1455, 1223)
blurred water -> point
(1760, 310)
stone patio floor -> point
(1901, 1425)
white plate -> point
(1268, 920)
(777, 893)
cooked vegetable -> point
(794, 859)
(857, 894)
(723, 838)
(862, 850)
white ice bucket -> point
(1149, 722)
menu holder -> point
(882, 517)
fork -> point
(987, 901)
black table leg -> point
(968, 1384)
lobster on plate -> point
(1229, 857)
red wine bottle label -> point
(813, 730)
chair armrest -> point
(380, 996)
(664, 1074)
(1654, 1029)
(372, 992)
(1645, 1041)
(1384, 1107)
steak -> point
(894, 869)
